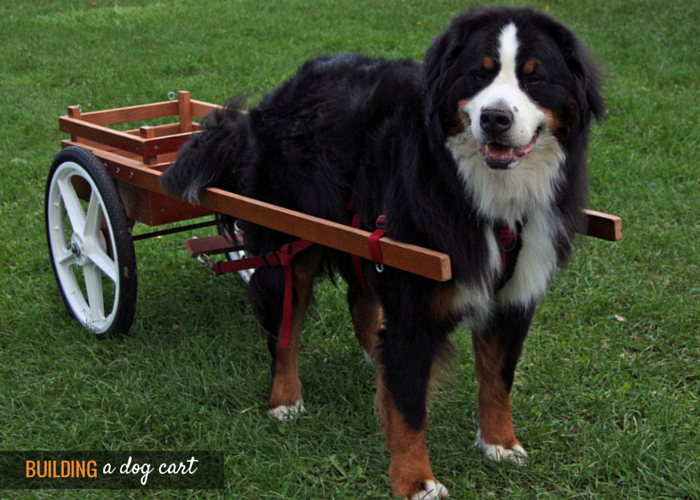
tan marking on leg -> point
(495, 420)
(410, 465)
(367, 319)
(286, 386)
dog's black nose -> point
(495, 121)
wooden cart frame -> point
(116, 174)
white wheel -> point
(225, 228)
(90, 243)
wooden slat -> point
(211, 245)
(132, 113)
(162, 130)
(411, 258)
(202, 109)
(167, 144)
(126, 141)
(604, 226)
(102, 135)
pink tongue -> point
(499, 152)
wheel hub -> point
(77, 249)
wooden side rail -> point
(182, 107)
(604, 226)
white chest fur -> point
(534, 270)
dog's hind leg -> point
(496, 350)
(266, 292)
(366, 317)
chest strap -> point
(509, 244)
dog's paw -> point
(432, 490)
(499, 453)
(285, 413)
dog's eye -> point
(532, 80)
(480, 75)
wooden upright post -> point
(184, 110)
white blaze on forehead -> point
(508, 49)
(505, 92)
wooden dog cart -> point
(104, 180)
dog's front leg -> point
(407, 356)
(497, 349)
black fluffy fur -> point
(378, 128)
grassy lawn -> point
(607, 394)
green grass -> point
(606, 398)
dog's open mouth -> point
(501, 157)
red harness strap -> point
(283, 257)
(509, 247)
(506, 243)
(374, 249)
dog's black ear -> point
(210, 157)
(441, 55)
(587, 74)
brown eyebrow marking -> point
(529, 66)
(489, 63)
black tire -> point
(90, 244)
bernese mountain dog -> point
(487, 136)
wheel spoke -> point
(65, 259)
(104, 263)
(93, 284)
(72, 204)
(93, 218)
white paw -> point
(433, 490)
(498, 453)
(286, 413)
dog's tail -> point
(211, 157)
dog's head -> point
(510, 82)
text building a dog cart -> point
(104, 180)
